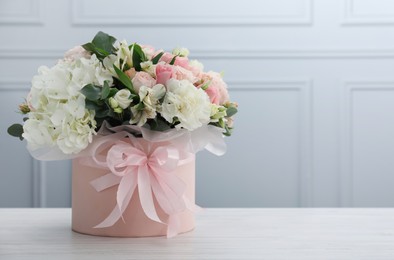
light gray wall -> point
(314, 81)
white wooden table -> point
(220, 234)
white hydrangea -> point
(187, 104)
(58, 115)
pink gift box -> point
(90, 207)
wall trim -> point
(10, 53)
(33, 17)
(346, 174)
(14, 84)
(39, 183)
(351, 17)
(81, 18)
(306, 137)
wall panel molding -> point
(13, 84)
(305, 132)
(10, 53)
(346, 173)
(28, 13)
(82, 15)
(352, 15)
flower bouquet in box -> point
(131, 118)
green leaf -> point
(231, 111)
(102, 45)
(173, 60)
(91, 92)
(89, 47)
(112, 92)
(126, 81)
(16, 130)
(105, 91)
(139, 106)
(104, 42)
(156, 59)
(100, 53)
(138, 56)
(158, 124)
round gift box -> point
(89, 207)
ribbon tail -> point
(145, 193)
(173, 225)
(126, 186)
(105, 182)
(191, 206)
(118, 211)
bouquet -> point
(138, 113)
(111, 83)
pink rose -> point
(167, 57)
(180, 73)
(142, 78)
(182, 62)
(130, 72)
(163, 73)
(217, 88)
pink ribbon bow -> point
(152, 171)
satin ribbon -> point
(151, 169)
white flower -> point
(37, 133)
(123, 98)
(148, 67)
(182, 52)
(150, 98)
(76, 133)
(124, 54)
(58, 115)
(187, 104)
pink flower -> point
(130, 72)
(217, 88)
(148, 50)
(142, 78)
(76, 53)
(167, 57)
(213, 94)
(163, 73)
(182, 62)
(180, 73)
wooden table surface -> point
(242, 233)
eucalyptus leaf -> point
(91, 92)
(105, 91)
(104, 42)
(16, 130)
(231, 111)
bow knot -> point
(151, 168)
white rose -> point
(123, 98)
(190, 105)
